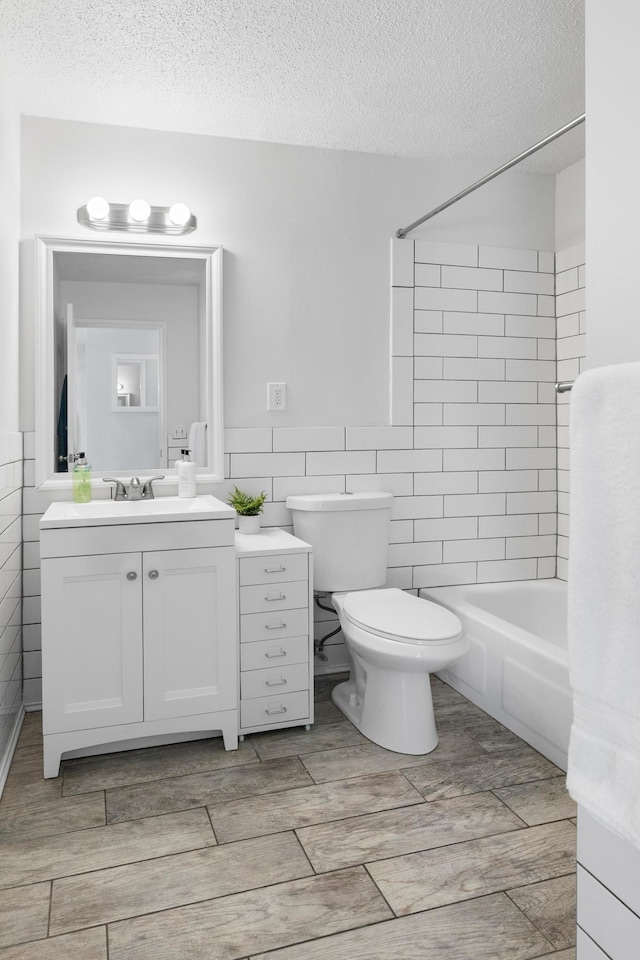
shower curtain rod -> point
(403, 231)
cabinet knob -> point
(153, 574)
(132, 575)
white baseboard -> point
(5, 760)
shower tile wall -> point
(10, 590)
(473, 368)
(571, 319)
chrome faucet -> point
(134, 490)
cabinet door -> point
(91, 641)
(190, 655)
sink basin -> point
(106, 512)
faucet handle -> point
(147, 490)
(121, 493)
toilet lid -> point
(401, 616)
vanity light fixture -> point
(139, 210)
(137, 217)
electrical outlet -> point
(276, 396)
(179, 433)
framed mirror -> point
(129, 358)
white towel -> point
(198, 443)
(604, 597)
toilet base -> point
(397, 716)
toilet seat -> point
(400, 616)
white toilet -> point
(395, 639)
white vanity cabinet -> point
(138, 625)
(275, 578)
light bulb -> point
(97, 208)
(179, 214)
(139, 210)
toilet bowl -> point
(395, 640)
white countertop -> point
(101, 513)
(269, 540)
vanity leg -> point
(230, 736)
(52, 757)
(307, 727)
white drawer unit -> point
(275, 631)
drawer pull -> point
(271, 598)
(275, 568)
(275, 626)
(274, 656)
(270, 711)
(276, 683)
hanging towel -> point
(604, 597)
(198, 443)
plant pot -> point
(249, 524)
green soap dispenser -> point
(81, 478)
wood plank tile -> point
(86, 945)
(243, 924)
(324, 711)
(25, 778)
(539, 802)
(24, 913)
(31, 730)
(560, 955)
(324, 683)
(29, 820)
(454, 778)
(110, 770)
(297, 740)
(360, 760)
(199, 789)
(474, 868)
(489, 733)
(392, 833)
(256, 816)
(30, 861)
(166, 882)
(489, 928)
(552, 907)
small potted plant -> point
(248, 509)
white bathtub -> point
(517, 665)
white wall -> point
(608, 906)
(613, 184)
(9, 232)
(10, 439)
(306, 234)
(570, 206)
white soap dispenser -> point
(186, 476)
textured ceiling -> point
(461, 80)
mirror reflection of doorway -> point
(136, 381)
(117, 410)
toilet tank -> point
(349, 533)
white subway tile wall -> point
(571, 321)
(471, 454)
(10, 593)
(483, 399)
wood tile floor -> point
(301, 845)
